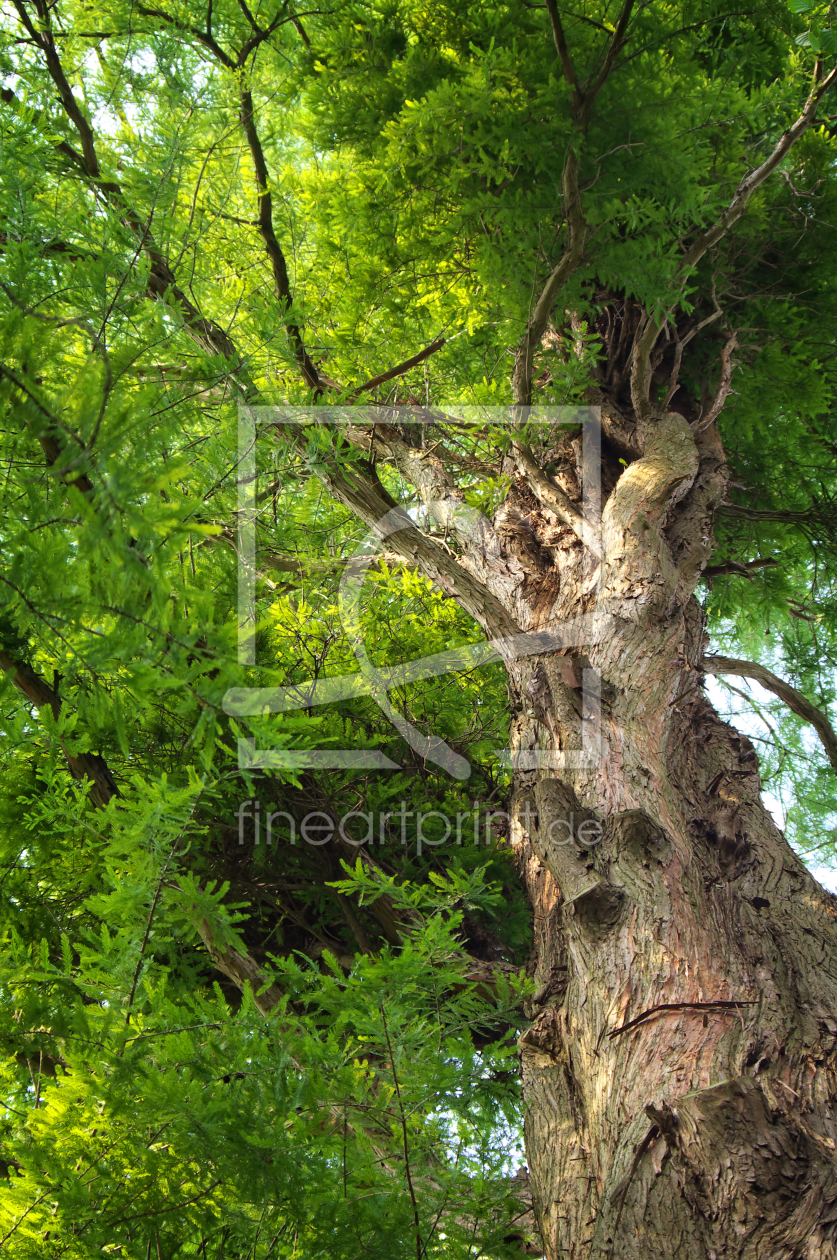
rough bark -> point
(679, 1073)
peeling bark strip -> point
(677, 1006)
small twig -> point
(674, 381)
(419, 1244)
(161, 883)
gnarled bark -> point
(679, 1072)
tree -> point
(211, 209)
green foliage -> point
(414, 157)
(174, 1113)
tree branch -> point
(401, 368)
(203, 37)
(362, 495)
(89, 766)
(247, 118)
(781, 516)
(531, 339)
(43, 39)
(274, 252)
(792, 698)
(743, 570)
(617, 41)
(161, 281)
(583, 102)
(643, 347)
(553, 497)
(682, 342)
(406, 1145)
(724, 387)
(371, 503)
(241, 969)
(563, 50)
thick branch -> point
(360, 494)
(372, 503)
(583, 102)
(793, 699)
(8, 97)
(242, 970)
(724, 387)
(265, 220)
(634, 518)
(781, 516)
(737, 568)
(203, 37)
(616, 43)
(367, 499)
(274, 252)
(563, 51)
(43, 39)
(422, 468)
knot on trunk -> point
(543, 1037)
(565, 836)
(638, 836)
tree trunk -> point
(679, 1075)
